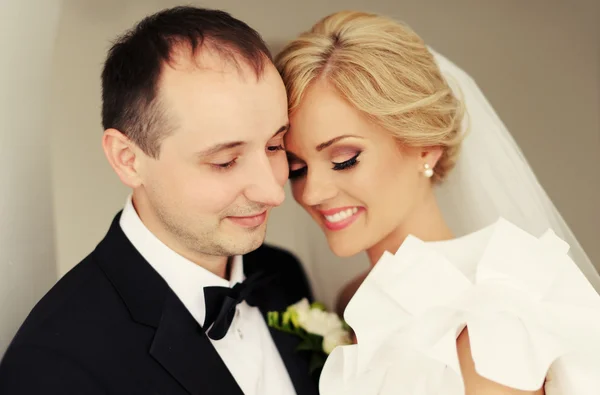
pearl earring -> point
(428, 172)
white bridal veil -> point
(493, 179)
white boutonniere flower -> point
(321, 331)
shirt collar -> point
(185, 278)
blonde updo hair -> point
(384, 70)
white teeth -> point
(342, 215)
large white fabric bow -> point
(532, 316)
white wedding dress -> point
(533, 318)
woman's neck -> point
(425, 222)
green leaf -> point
(318, 305)
(293, 317)
(286, 318)
(274, 321)
(306, 345)
(316, 341)
(273, 318)
(317, 360)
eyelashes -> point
(297, 173)
(347, 163)
(337, 166)
(224, 166)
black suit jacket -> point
(113, 326)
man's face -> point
(223, 168)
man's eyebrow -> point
(233, 144)
(282, 129)
(219, 147)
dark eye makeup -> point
(337, 166)
(347, 164)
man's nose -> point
(263, 186)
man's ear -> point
(123, 156)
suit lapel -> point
(179, 345)
(183, 349)
(273, 298)
(295, 363)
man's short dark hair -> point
(131, 73)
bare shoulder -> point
(348, 292)
(476, 384)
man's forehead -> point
(211, 100)
(207, 59)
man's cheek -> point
(213, 199)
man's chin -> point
(255, 244)
(246, 240)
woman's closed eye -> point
(298, 169)
(348, 163)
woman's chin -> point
(344, 248)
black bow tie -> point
(221, 302)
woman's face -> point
(352, 176)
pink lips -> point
(249, 222)
(350, 214)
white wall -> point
(27, 260)
(537, 61)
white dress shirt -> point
(247, 349)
